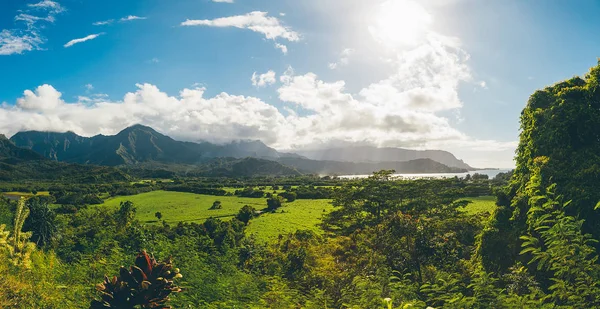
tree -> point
(289, 196)
(246, 213)
(274, 203)
(125, 215)
(216, 205)
(41, 221)
(158, 215)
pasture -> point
(480, 204)
(184, 207)
(297, 215)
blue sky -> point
(444, 74)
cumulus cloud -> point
(271, 27)
(263, 80)
(87, 38)
(223, 1)
(18, 41)
(344, 59)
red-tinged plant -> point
(147, 284)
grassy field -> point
(186, 207)
(189, 207)
(300, 214)
(480, 204)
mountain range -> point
(143, 146)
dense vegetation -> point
(381, 242)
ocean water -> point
(491, 174)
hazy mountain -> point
(145, 148)
(327, 167)
(374, 154)
(136, 144)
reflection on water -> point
(491, 174)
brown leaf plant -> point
(147, 284)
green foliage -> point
(246, 213)
(41, 221)
(274, 203)
(17, 244)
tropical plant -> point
(41, 221)
(17, 245)
(147, 284)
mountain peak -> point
(137, 127)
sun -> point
(399, 23)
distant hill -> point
(374, 154)
(18, 164)
(352, 168)
(141, 147)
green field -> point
(480, 204)
(298, 215)
(184, 207)
(189, 207)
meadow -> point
(297, 215)
(301, 214)
(480, 204)
(184, 207)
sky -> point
(310, 74)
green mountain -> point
(18, 164)
(143, 148)
(134, 145)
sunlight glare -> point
(399, 23)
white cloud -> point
(270, 27)
(104, 22)
(45, 98)
(13, 42)
(344, 59)
(282, 14)
(124, 19)
(132, 17)
(31, 19)
(263, 80)
(87, 38)
(223, 1)
(18, 41)
(89, 87)
(48, 5)
(282, 47)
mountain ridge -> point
(141, 144)
(369, 154)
